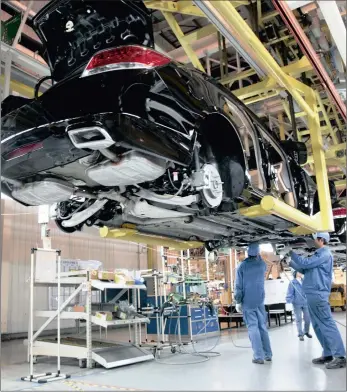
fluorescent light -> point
(293, 5)
(266, 248)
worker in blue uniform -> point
(318, 271)
(249, 296)
(297, 297)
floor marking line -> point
(72, 382)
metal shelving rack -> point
(106, 353)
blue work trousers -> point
(299, 311)
(324, 325)
(255, 320)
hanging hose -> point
(38, 85)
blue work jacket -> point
(318, 270)
(295, 294)
(249, 285)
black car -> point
(126, 135)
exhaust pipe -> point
(93, 138)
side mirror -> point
(297, 150)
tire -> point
(233, 177)
(332, 309)
(343, 308)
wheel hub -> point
(212, 191)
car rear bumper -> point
(133, 106)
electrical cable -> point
(232, 340)
(205, 358)
(207, 352)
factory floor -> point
(291, 368)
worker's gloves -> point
(238, 308)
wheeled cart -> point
(87, 350)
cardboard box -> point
(105, 275)
(105, 316)
(78, 308)
(119, 279)
(121, 315)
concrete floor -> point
(291, 368)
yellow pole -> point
(181, 38)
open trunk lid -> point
(73, 31)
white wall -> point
(21, 233)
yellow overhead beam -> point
(330, 153)
(261, 97)
(341, 184)
(241, 30)
(294, 69)
(324, 131)
(269, 15)
(326, 119)
(272, 206)
(299, 230)
(20, 88)
(184, 7)
(181, 7)
(263, 87)
(305, 98)
(200, 33)
(181, 38)
(132, 235)
(326, 213)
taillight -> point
(20, 151)
(339, 212)
(125, 57)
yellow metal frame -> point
(172, 22)
(306, 99)
(293, 69)
(20, 88)
(132, 235)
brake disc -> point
(212, 192)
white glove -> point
(238, 308)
